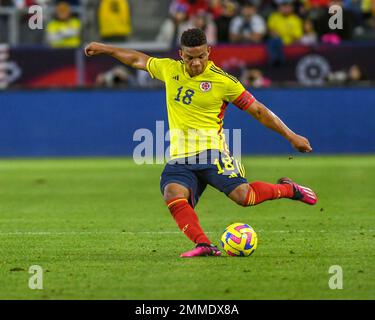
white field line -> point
(63, 233)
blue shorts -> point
(218, 169)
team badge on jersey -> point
(205, 86)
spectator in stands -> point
(172, 28)
(254, 78)
(248, 27)
(117, 77)
(223, 22)
(114, 20)
(285, 24)
(64, 31)
(356, 74)
(285, 28)
(203, 21)
(353, 75)
(309, 36)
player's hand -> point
(300, 143)
(95, 48)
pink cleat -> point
(301, 193)
(202, 249)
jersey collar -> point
(209, 64)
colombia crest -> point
(205, 86)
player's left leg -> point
(176, 195)
(181, 190)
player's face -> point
(195, 58)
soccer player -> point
(197, 94)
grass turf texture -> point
(100, 230)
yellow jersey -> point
(64, 34)
(114, 18)
(195, 105)
(290, 28)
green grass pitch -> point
(100, 230)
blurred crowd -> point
(275, 22)
(282, 21)
(64, 27)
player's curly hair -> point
(193, 38)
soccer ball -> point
(239, 239)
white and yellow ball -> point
(239, 239)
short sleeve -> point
(158, 68)
(234, 90)
(238, 95)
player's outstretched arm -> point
(270, 120)
(131, 58)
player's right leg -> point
(228, 176)
(251, 194)
(181, 190)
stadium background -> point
(55, 102)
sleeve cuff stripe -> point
(148, 67)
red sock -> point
(262, 191)
(187, 220)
